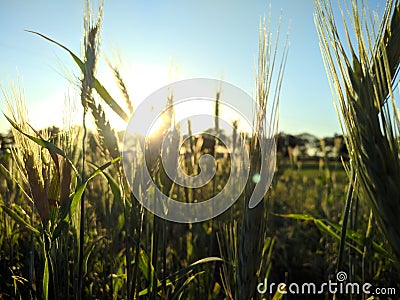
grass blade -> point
(46, 278)
(53, 149)
(69, 211)
(334, 229)
(101, 90)
(17, 218)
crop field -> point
(72, 223)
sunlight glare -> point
(141, 80)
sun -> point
(141, 81)
(159, 126)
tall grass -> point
(253, 227)
(69, 234)
(45, 180)
(362, 75)
(91, 47)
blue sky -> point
(208, 38)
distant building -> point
(308, 147)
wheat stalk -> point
(121, 83)
(91, 48)
(108, 139)
(253, 230)
(362, 84)
(28, 155)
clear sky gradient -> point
(207, 38)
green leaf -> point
(185, 271)
(114, 188)
(179, 293)
(277, 296)
(46, 277)
(87, 253)
(116, 191)
(76, 197)
(100, 89)
(17, 218)
(53, 149)
(103, 93)
(333, 229)
(144, 262)
(360, 240)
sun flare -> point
(141, 81)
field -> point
(72, 225)
(299, 248)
